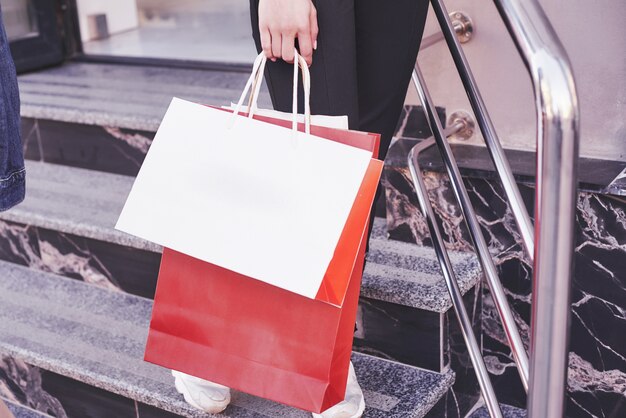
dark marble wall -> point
(597, 371)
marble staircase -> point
(86, 130)
(65, 228)
(96, 336)
(76, 293)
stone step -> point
(124, 96)
(86, 203)
(104, 116)
(508, 411)
(65, 226)
(97, 337)
(20, 411)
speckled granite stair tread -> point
(87, 203)
(97, 336)
(20, 411)
(124, 96)
(508, 411)
(75, 201)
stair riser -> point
(113, 149)
(104, 148)
(62, 397)
(400, 333)
(408, 335)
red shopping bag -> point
(228, 328)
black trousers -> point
(363, 63)
(366, 50)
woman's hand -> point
(281, 22)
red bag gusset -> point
(231, 329)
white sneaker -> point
(202, 394)
(352, 406)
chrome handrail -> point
(488, 130)
(456, 297)
(550, 246)
(480, 245)
(558, 120)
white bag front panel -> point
(255, 198)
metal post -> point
(488, 130)
(555, 200)
(491, 274)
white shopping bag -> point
(261, 200)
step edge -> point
(19, 406)
(174, 405)
(89, 117)
(372, 291)
(507, 410)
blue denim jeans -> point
(12, 172)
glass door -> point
(215, 31)
(33, 31)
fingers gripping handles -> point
(254, 86)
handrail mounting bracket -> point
(463, 26)
(464, 118)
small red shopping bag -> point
(228, 328)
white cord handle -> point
(254, 81)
